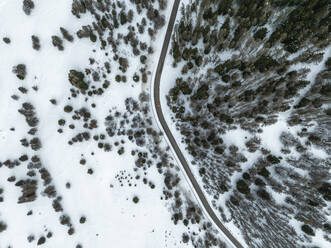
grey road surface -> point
(167, 131)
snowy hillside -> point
(249, 103)
(82, 162)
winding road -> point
(156, 102)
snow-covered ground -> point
(168, 79)
(238, 137)
(112, 218)
(269, 136)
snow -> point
(237, 137)
(112, 218)
(168, 78)
(315, 68)
(269, 136)
(318, 239)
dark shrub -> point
(136, 78)
(246, 176)
(20, 71)
(234, 200)
(6, 40)
(328, 63)
(259, 182)
(202, 171)
(273, 159)
(263, 194)
(3, 226)
(326, 90)
(28, 5)
(67, 109)
(242, 187)
(135, 199)
(265, 63)
(35, 144)
(264, 172)
(143, 59)
(76, 78)
(219, 150)
(185, 238)
(308, 230)
(28, 188)
(260, 34)
(93, 37)
(303, 103)
(61, 122)
(327, 227)
(82, 220)
(325, 190)
(57, 42)
(123, 18)
(35, 42)
(202, 93)
(66, 35)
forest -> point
(252, 66)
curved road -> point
(167, 131)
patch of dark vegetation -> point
(67, 108)
(35, 143)
(76, 78)
(20, 71)
(120, 151)
(6, 40)
(35, 163)
(41, 240)
(3, 226)
(249, 92)
(15, 97)
(11, 179)
(71, 231)
(57, 42)
(28, 188)
(57, 204)
(139, 130)
(32, 131)
(10, 164)
(23, 90)
(30, 116)
(28, 6)
(308, 230)
(136, 122)
(82, 220)
(50, 191)
(30, 238)
(65, 220)
(35, 42)
(81, 137)
(66, 35)
(135, 199)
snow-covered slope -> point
(248, 98)
(60, 187)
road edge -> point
(157, 76)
